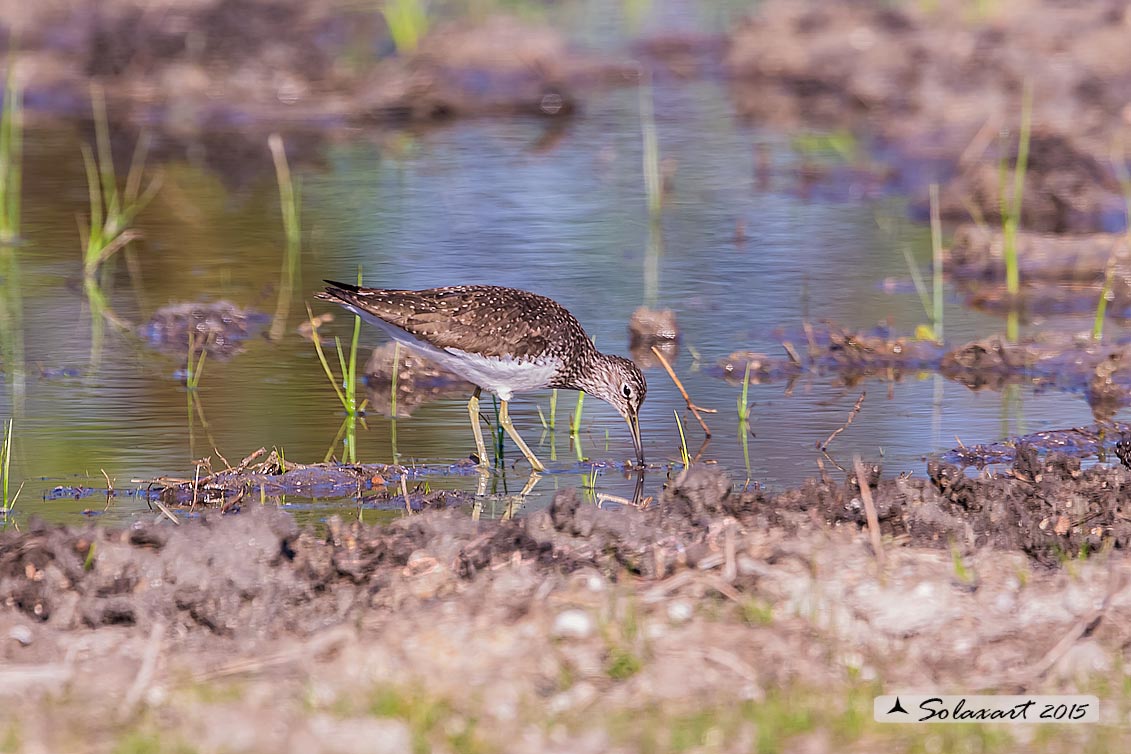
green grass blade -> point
(352, 374)
(94, 238)
(108, 176)
(341, 358)
(917, 280)
(322, 359)
(743, 405)
(575, 425)
(11, 157)
(652, 187)
(289, 208)
(936, 264)
(682, 441)
(393, 381)
(1012, 273)
(7, 453)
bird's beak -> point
(634, 427)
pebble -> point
(22, 634)
(680, 611)
(573, 624)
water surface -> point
(500, 202)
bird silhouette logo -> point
(898, 707)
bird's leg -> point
(473, 410)
(505, 420)
(530, 482)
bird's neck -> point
(590, 370)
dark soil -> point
(549, 629)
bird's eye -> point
(626, 390)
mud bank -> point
(731, 621)
(187, 66)
(938, 85)
(1046, 361)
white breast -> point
(503, 377)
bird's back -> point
(487, 320)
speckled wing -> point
(488, 320)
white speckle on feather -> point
(503, 377)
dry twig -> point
(168, 513)
(870, 511)
(148, 667)
(694, 409)
(851, 417)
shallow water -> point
(487, 202)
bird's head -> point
(619, 382)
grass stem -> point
(289, 203)
(111, 211)
(393, 398)
(1119, 162)
(936, 266)
(6, 459)
(407, 21)
(1011, 210)
(743, 404)
(11, 158)
(682, 442)
(652, 186)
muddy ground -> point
(713, 620)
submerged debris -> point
(1047, 360)
(977, 252)
(253, 482)
(219, 327)
(652, 327)
(1060, 274)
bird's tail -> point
(346, 287)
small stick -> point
(161, 507)
(870, 512)
(229, 504)
(247, 461)
(851, 416)
(227, 466)
(730, 565)
(195, 488)
(404, 491)
(791, 352)
(605, 497)
(694, 409)
(145, 672)
(109, 489)
(699, 453)
(808, 328)
(831, 460)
